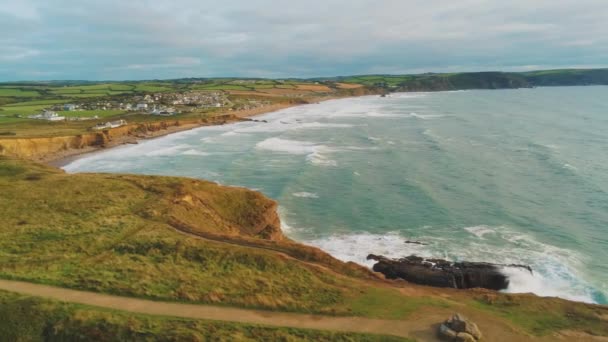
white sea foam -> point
(426, 116)
(288, 146)
(305, 194)
(168, 151)
(357, 246)
(314, 152)
(410, 95)
(283, 124)
(321, 160)
(193, 152)
(480, 231)
(554, 269)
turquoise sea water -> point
(508, 176)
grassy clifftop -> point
(138, 236)
(482, 80)
(186, 240)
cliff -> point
(480, 80)
(49, 148)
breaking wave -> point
(554, 268)
(305, 194)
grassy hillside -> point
(26, 318)
(193, 241)
(125, 235)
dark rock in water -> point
(443, 273)
(416, 243)
(458, 328)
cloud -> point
(137, 39)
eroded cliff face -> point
(49, 148)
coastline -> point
(69, 155)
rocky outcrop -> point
(443, 273)
(459, 329)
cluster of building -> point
(155, 104)
(48, 115)
(109, 124)
(198, 99)
(163, 104)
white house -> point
(48, 115)
(141, 106)
(69, 107)
(163, 111)
(110, 124)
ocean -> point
(506, 176)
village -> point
(154, 104)
(160, 104)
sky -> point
(145, 39)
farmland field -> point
(16, 92)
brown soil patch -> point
(349, 85)
(314, 87)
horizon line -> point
(303, 78)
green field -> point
(36, 102)
(91, 113)
(16, 92)
(23, 110)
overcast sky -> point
(145, 39)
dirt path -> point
(195, 311)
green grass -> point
(545, 316)
(9, 121)
(227, 87)
(115, 234)
(389, 303)
(24, 318)
(17, 92)
(23, 109)
(91, 113)
(38, 102)
(153, 87)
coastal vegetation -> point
(27, 318)
(171, 239)
(192, 241)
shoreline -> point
(68, 156)
(61, 159)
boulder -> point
(443, 273)
(459, 328)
